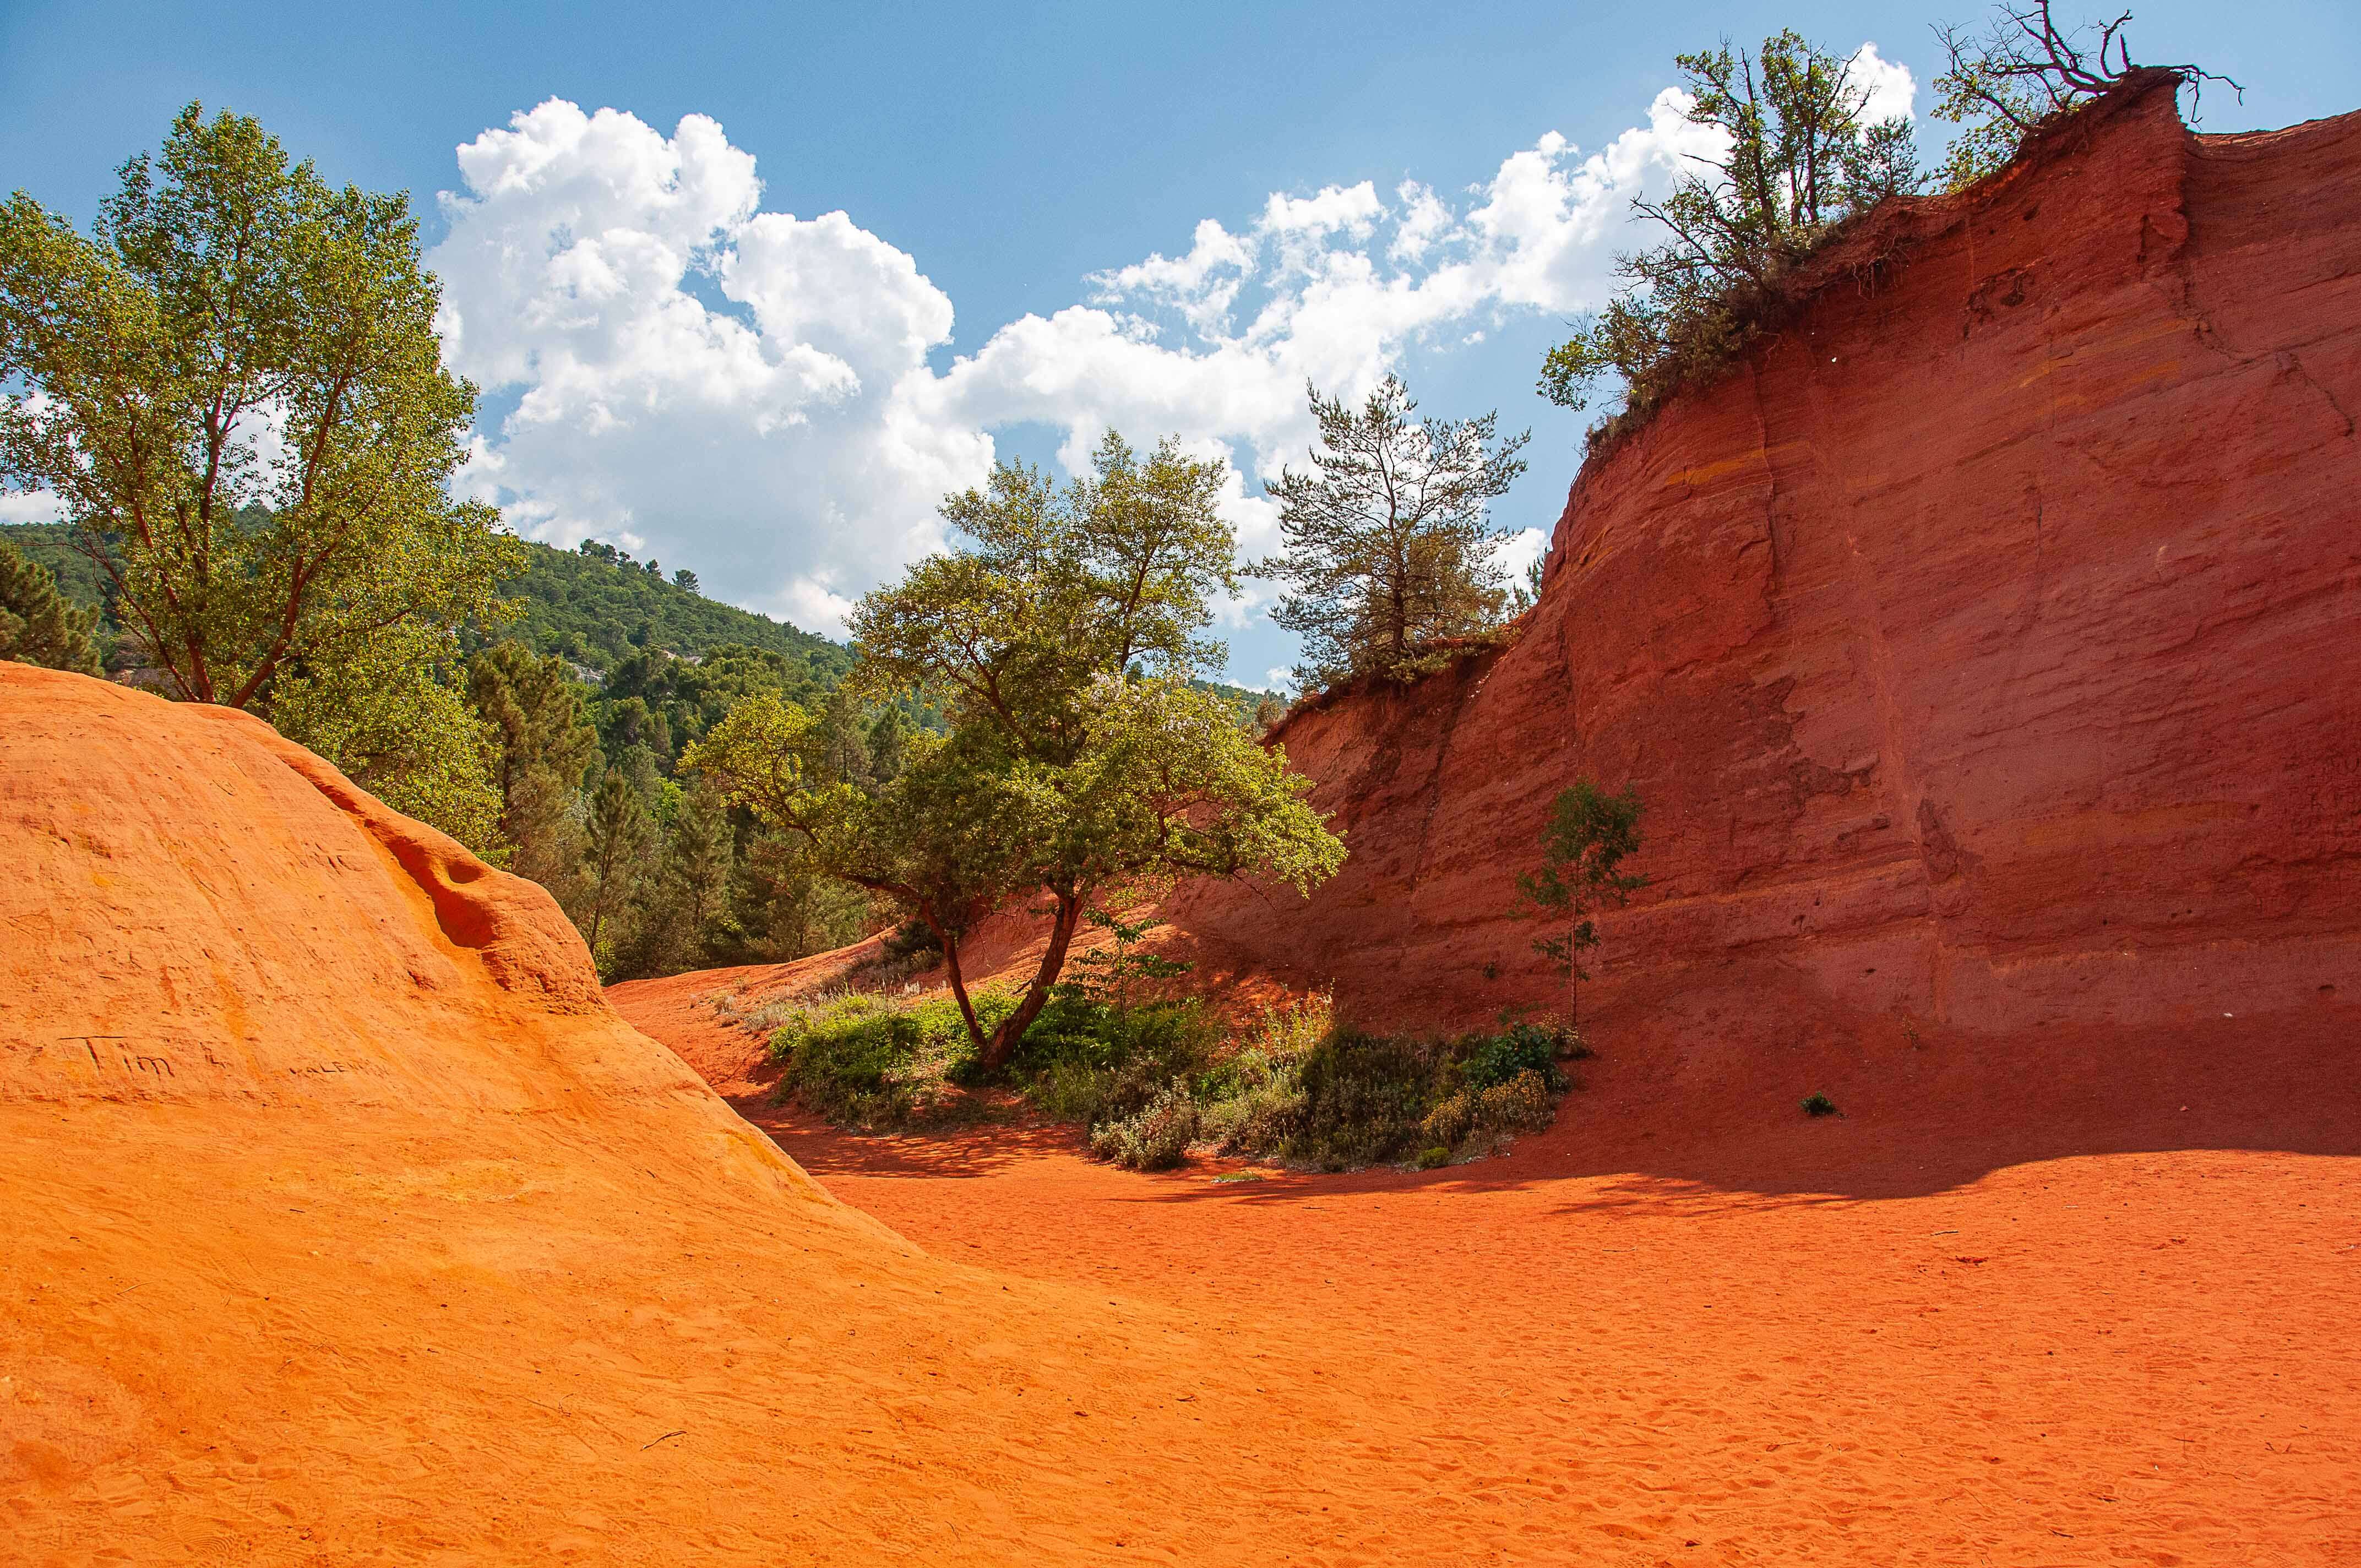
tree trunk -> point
(959, 983)
(1002, 1044)
(1573, 976)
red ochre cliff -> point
(1986, 646)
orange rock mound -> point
(345, 1224)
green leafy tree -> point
(1589, 834)
(1059, 640)
(397, 722)
(1803, 154)
(2024, 69)
(539, 747)
(619, 837)
(37, 625)
(1388, 546)
(1112, 976)
(235, 386)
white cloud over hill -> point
(695, 376)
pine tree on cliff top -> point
(1388, 542)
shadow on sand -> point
(1661, 1122)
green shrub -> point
(1148, 1081)
(1365, 1096)
(1819, 1106)
(1520, 1047)
(1156, 1138)
(867, 1060)
(1521, 1105)
(1450, 1121)
(1251, 1103)
(1085, 1061)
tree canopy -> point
(1802, 155)
(1386, 538)
(1060, 639)
(236, 388)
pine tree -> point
(618, 833)
(38, 624)
(1388, 546)
(688, 903)
(889, 740)
(540, 746)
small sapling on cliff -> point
(1590, 834)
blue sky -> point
(685, 350)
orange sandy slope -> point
(347, 1223)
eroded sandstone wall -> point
(1987, 646)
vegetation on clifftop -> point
(1803, 158)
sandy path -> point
(1840, 1343)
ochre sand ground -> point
(1820, 1342)
(1824, 1347)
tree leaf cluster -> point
(1801, 156)
(1061, 639)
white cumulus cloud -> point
(749, 392)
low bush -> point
(1155, 1137)
(1819, 1106)
(870, 1061)
(1518, 1048)
(1149, 1082)
(908, 948)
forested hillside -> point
(606, 672)
(597, 606)
(593, 604)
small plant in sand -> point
(1112, 976)
(1819, 1106)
